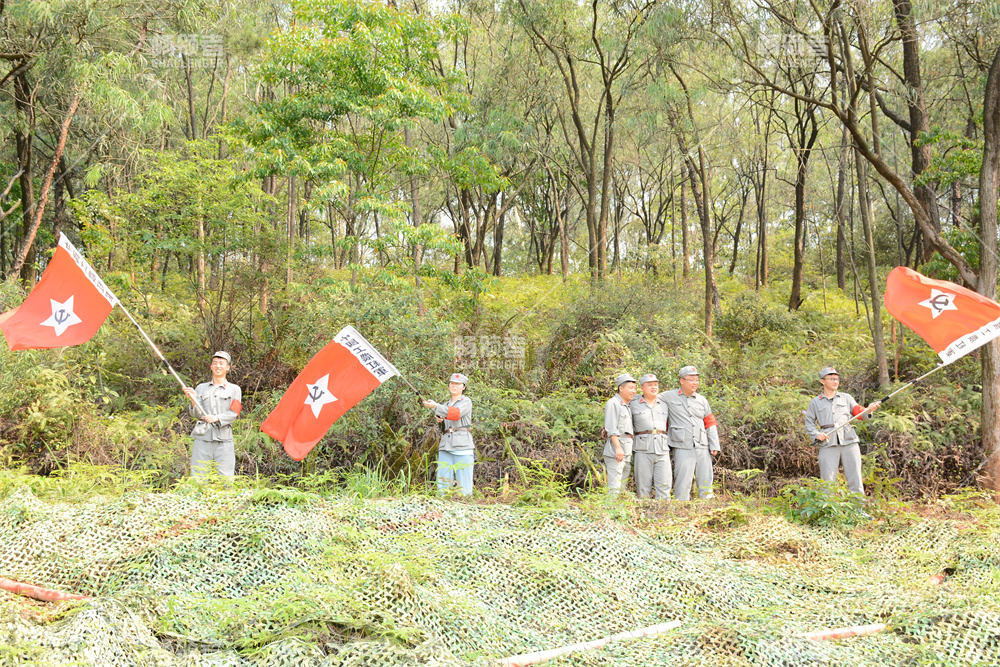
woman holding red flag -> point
(456, 452)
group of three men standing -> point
(672, 437)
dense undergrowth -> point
(537, 421)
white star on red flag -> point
(939, 302)
(62, 316)
(319, 395)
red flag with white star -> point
(334, 381)
(952, 319)
(67, 306)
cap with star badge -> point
(648, 377)
(459, 377)
(623, 378)
(223, 355)
(829, 370)
(687, 370)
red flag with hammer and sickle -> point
(952, 319)
(340, 375)
(67, 306)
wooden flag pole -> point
(159, 354)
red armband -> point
(856, 410)
(453, 414)
(236, 406)
(710, 421)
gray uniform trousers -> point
(696, 464)
(652, 471)
(618, 471)
(830, 459)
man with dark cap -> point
(221, 403)
(650, 450)
(618, 425)
(825, 413)
(692, 433)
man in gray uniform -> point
(650, 449)
(827, 411)
(221, 403)
(692, 433)
(618, 425)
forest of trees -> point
(238, 150)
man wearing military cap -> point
(221, 403)
(693, 435)
(618, 425)
(650, 449)
(825, 413)
(456, 451)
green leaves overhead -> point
(341, 83)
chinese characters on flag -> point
(67, 306)
(952, 319)
(340, 375)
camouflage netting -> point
(288, 578)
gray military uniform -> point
(692, 434)
(650, 449)
(842, 447)
(617, 421)
(457, 436)
(213, 443)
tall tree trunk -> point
(28, 242)
(24, 140)
(685, 241)
(192, 130)
(290, 224)
(878, 337)
(841, 222)
(415, 211)
(920, 155)
(989, 185)
(799, 247)
(498, 244)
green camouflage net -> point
(288, 578)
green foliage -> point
(817, 503)
(747, 318)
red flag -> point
(67, 306)
(952, 319)
(340, 375)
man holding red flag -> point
(827, 420)
(338, 377)
(67, 306)
(217, 404)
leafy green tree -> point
(345, 80)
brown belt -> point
(827, 425)
(456, 429)
(652, 431)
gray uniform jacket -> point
(218, 400)
(823, 414)
(646, 417)
(692, 424)
(618, 421)
(457, 436)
